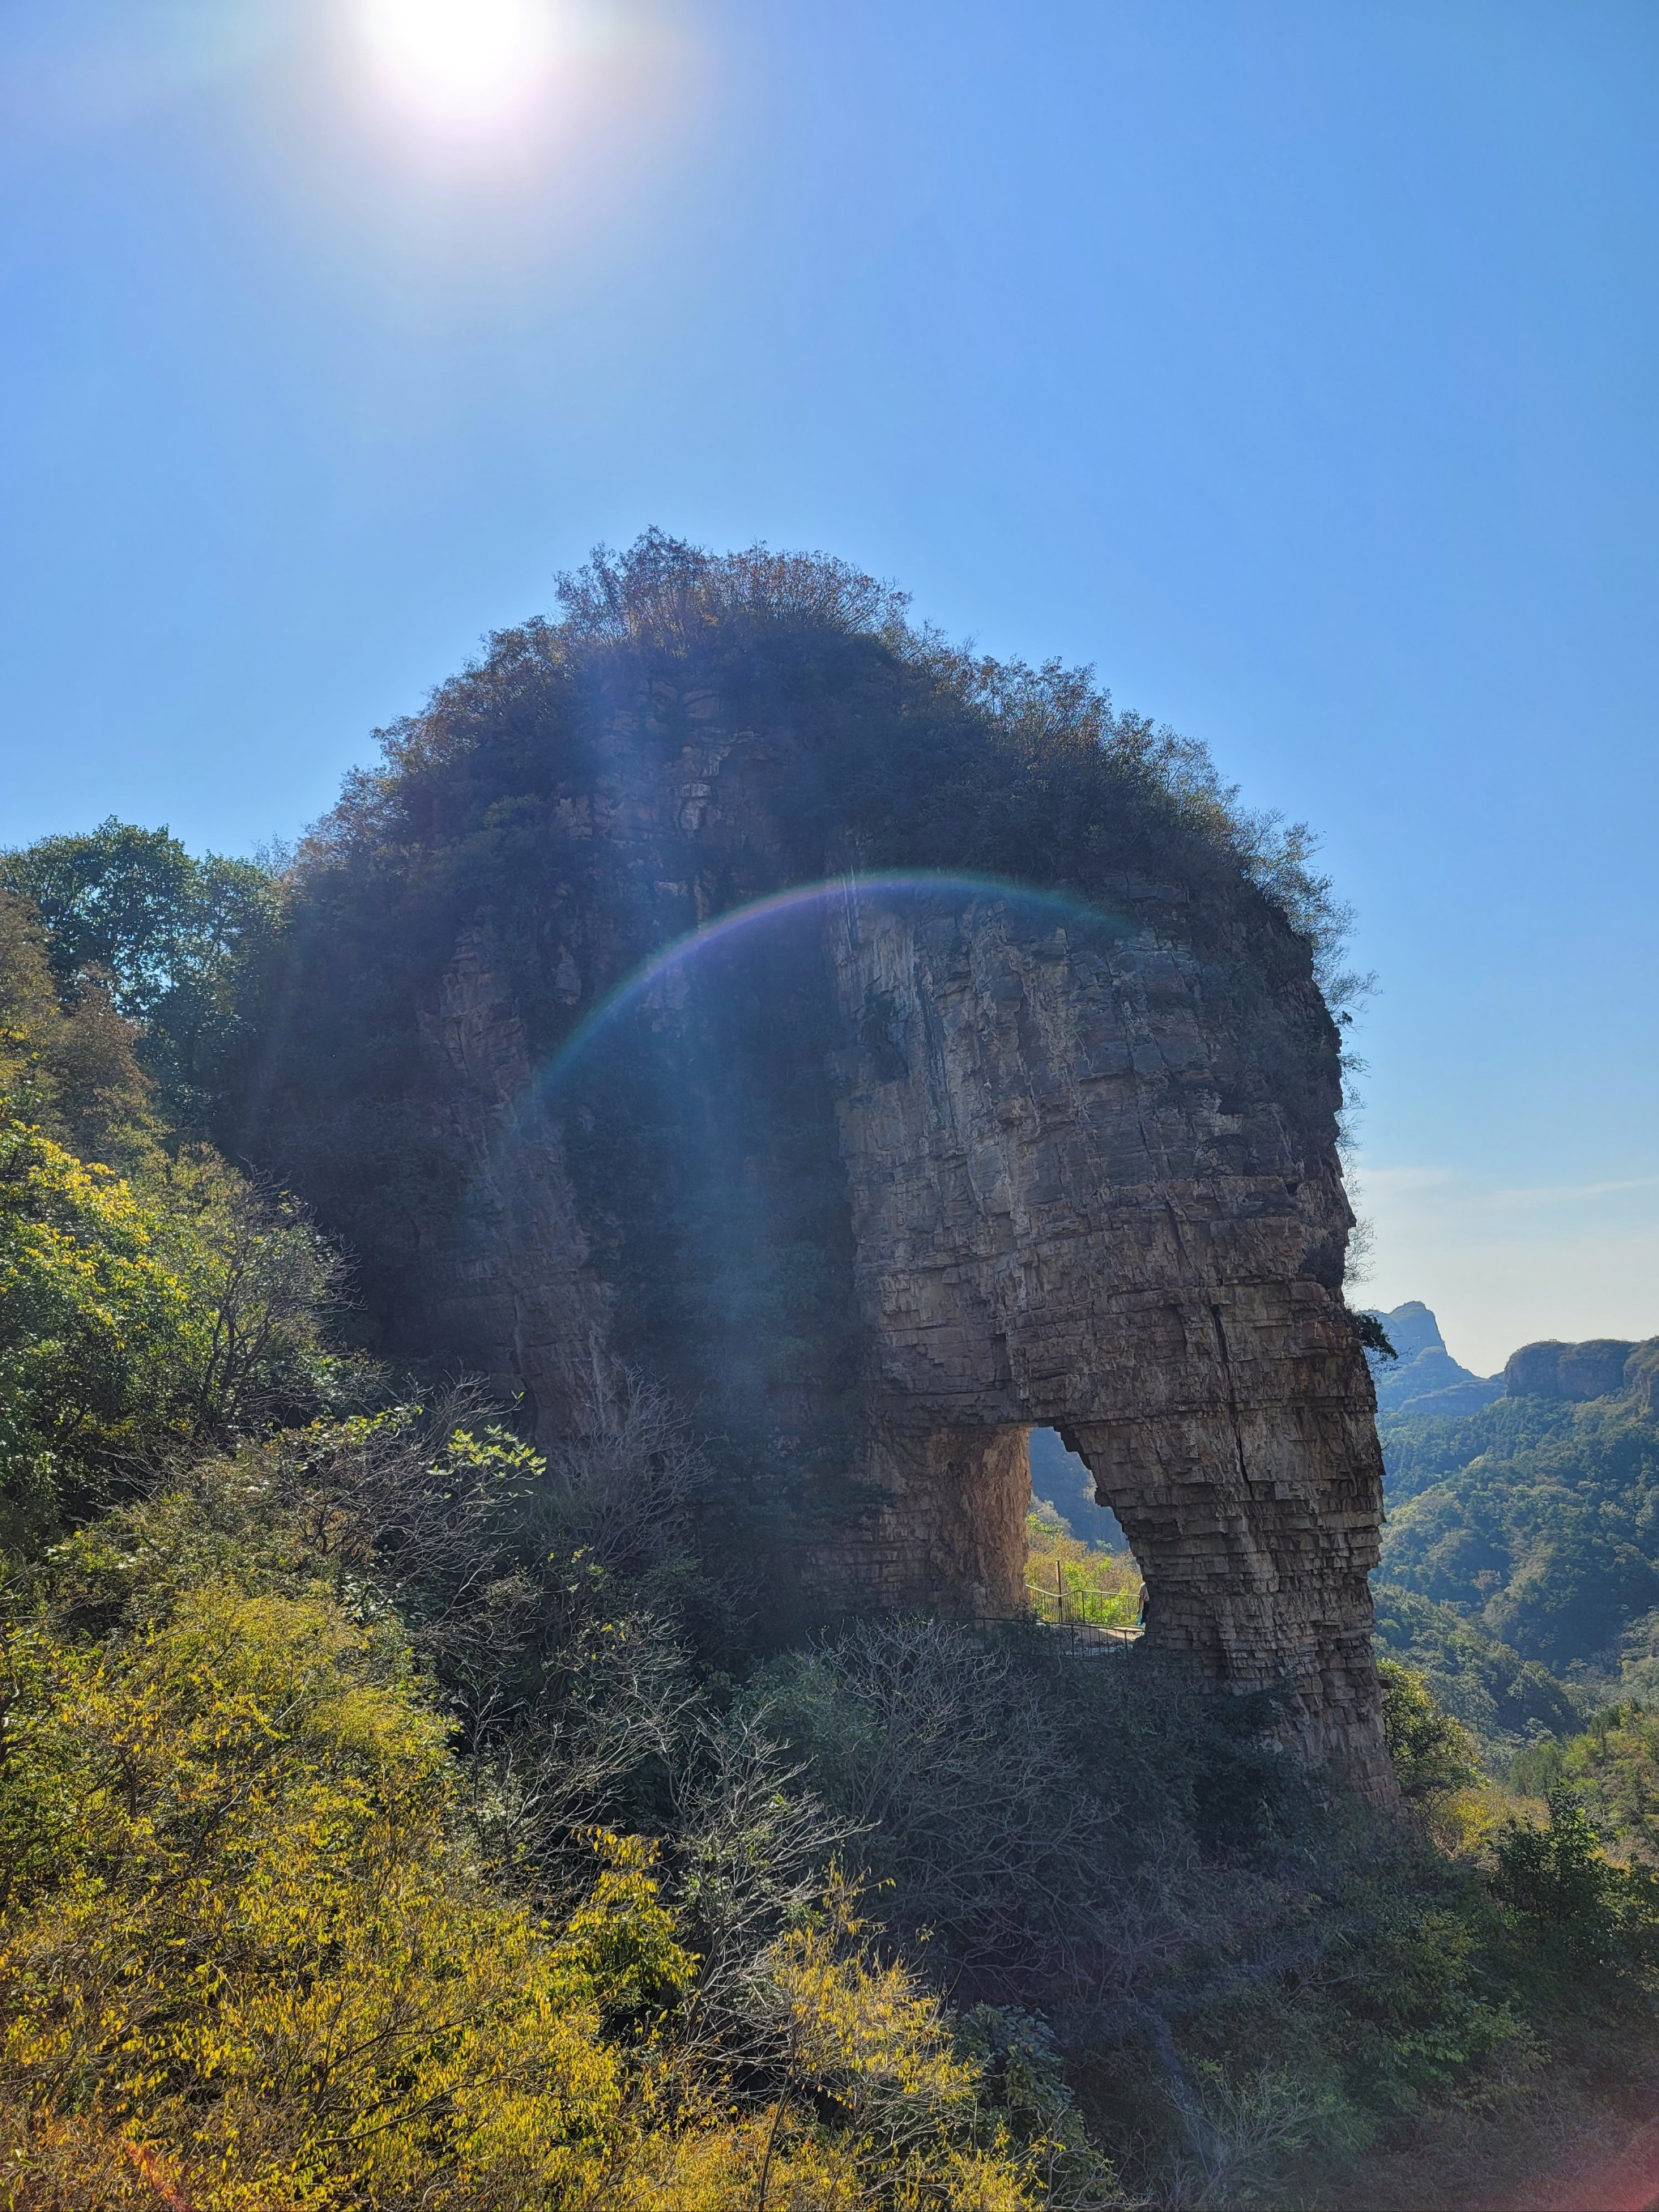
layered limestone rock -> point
(1082, 1173)
(1059, 1221)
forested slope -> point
(1521, 1559)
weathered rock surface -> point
(1576, 1372)
(1059, 1220)
(1086, 1178)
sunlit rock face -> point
(1073, 1205)
(876, 1181)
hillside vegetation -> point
(1520, 1559)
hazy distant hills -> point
(1519, 1567)
(1060, 1478)
(1424, 1379)
(1425, 1376)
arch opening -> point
(1061, 1478)
(1081, 1572)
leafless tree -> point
(619, 1489)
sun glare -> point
(460, 61)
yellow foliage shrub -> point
(241, 1934)
(249, 1963)
(138, 1321)
(101, 1327)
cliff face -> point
(879, 1180)
(1578, 1372)
(1067, 1212)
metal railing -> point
(1077, 1639)
(1071, 1611)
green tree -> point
(1434, 1756)
(1613, 1767)
(184, 943)
(138, 1322)
(1586, 1910)
(71, 1068)
(101, 1328)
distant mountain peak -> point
(1425, 1378)
(1411, 1328)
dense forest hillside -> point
(1521, 1561)
(395, 1814)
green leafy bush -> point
(1597, 1922)
(1611, 1769)
(183, 945)
(1067, 1578)
(1433, 1756)
(137, 1321)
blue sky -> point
(1296, 365)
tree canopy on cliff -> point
(531, 812)
(912, 751)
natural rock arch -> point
(1048, 1231)
(1067, 1162)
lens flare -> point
(690, 1106)
(850, 900)
(460, 61)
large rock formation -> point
(879, 1180)
(1058, 1220)
(1576, 1372)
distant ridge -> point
(1605, 1367)
(1424, 1379)
(1578, 1372)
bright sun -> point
(460, 61)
